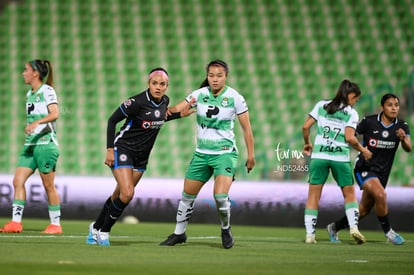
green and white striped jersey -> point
(330, 141)
(36, 108)
(215, 119)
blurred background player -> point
(216, 153)
(382, 133)
(40, 149)
(336, 121)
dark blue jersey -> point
(382, 141)
(143, 119)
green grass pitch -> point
(258, 250)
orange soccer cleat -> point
(12, 227)
(52, 229)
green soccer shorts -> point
(203, 166)
(42, 157)
(341, 171)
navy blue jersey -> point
(143, 120)
(382, 141)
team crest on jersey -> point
(157, 113)
(146, 124)
(123, 157)
(385, 134)
(364, 174)
(373, 142)
(225, 102)
(37, 99)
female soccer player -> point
(336, 121)
(216, 153)
(382, 133)
(40, 149)
(128, 151)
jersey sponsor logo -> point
(128, 102)
(376, 143)
(211, 111)
(30, 108)
(330, 149)
(146, 124)
(372, 142)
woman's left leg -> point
(126, 179)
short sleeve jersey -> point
(330, 141)
(144, 118)
(215, 119)
(36, 108)
(382, 141)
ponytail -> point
(44, 67)
(340, 101)
(204, 83)
(49, 79)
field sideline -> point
(258, 250)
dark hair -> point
(387, 96)
(158, 69)
(44, 67)
(341, 99)
(216, 62)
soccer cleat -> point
(103, 238)
(92, 236)
(358, 237)
(52, 229)
(12, 227)
(227, 238)
(394, 237)
(333, 235)
(174, 239)
(310, 239)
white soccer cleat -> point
(358, 237)
(310, 239)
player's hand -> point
(367, 154)
(29, 129)
(400, 134)
(110, 157)
(307, 149)
(250, 163)
(189, 108)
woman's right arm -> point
(180, 107)
(116, 117)
(351, 139)
(307, 148)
